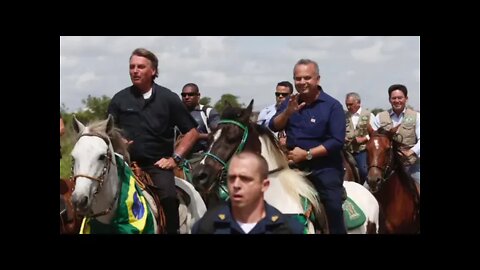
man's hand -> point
(127, 142)
(166, 163)
(293, 105)
(297, 155)
(410, 156)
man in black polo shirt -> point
(147, 113)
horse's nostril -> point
(82, 202)
(202, 178)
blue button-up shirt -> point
(320, 123)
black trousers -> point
(164, 181)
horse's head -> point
(92, 156)
(379, 156)
(229, 137)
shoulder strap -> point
(206, 113)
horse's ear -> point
(249, 107)
(370, 129)
(77, 125)
(110, 124)
(394, 130)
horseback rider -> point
(409, 121)
(147, 114)
(206, 117)
(356, 136)
(315, 126)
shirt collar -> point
(359, 111)
(391, 112)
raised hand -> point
(293, 105)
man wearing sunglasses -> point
(207, 118)
(283, 90)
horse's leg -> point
(184, 217)
(322, 221)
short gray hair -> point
(354, 95)
(307, 62)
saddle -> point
(146, 183)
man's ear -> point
(266, 184)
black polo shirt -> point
(150, 122)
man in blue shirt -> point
(315, 126)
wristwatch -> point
(309, 154)
(177, 158)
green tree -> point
(95, 109)
(232, 99)
(377, 110)
(205, 101)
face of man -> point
(281, 93)
(398, 101)
(190, 97)
(141, 72)
(352, 104)
(306, 80)
(245, 186)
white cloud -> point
(85, 79)
(416, 74)
(249, 67)
(372, 54)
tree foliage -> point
(205, 101)
(377, 110)
(232, 99)
(95, 109)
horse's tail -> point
(298, 185)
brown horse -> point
(70, 222)
(393, 187)
(350, 167)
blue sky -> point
(246, 66)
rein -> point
(224, 169)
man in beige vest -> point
(409, 129)
(356, 136)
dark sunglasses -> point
(189, 94)
(281, 94)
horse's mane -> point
(273, 146)
(293, 181)
(98, 127)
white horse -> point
(97, 184)
(291, 182)
(287, 187)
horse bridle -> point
(101, 178)
(223, 172)
(387, 171)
